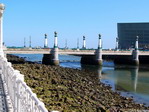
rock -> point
(68, 90)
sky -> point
(71, 19)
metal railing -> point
(21, 96)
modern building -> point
(127, 33)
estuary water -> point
(129, 81)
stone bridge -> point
(119, 57)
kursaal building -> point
(128, 32)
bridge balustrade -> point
(20, 95)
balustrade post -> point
(1, 64)
(4, 66)
(2, 7)
(8, 73)
(34, 102)
(19, 80)
(18, 95)
(29, 101)
(16, 73)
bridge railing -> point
(21, 96)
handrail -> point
(21, 96)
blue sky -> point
(72, 19)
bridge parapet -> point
(19, 94)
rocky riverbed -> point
(72, 90)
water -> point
(129, 81)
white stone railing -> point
(18, 93)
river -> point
(129, 81)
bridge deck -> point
(70, 52)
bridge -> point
(106, 54)
(71, 52)
(66, 52)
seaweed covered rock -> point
(15, 59)
(73, 90)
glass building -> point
(127, 33)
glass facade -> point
(127, 33)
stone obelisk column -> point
(2, 7)
(30, 43)
(46, 41)
(54, 51)
(116, 48)
(66, 47)
(77, 44)
(135, 53)
(98, 52)
(84, 43)
(24, 42)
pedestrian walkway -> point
(3, 105)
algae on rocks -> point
(73, 90)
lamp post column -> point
(117, 39)
(45, 41)
(2, 7)
(84, 43)
(55, 40)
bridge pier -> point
(95, 59)
(132, 59)
(88, 59)
(127, 60)
(52, 58)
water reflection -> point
(130, 81)
(134, 76)
(99, 71)
(96, 69)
